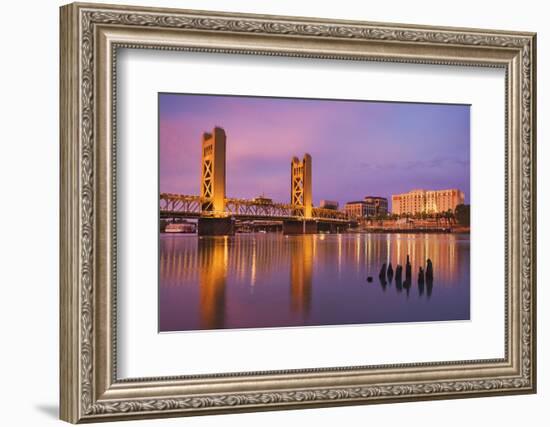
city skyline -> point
(359, 148)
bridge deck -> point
(186, 206)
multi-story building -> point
(356, 209)
(368, 207)
(376, 206)
(429, 201)
(328, 204)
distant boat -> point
(182, 227)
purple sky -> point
(358, 148)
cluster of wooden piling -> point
(424, 279)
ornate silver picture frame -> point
(91, 35)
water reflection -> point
(301, 273)
(213, 254)
(266, 280)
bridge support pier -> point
(216, 227)
(300, 226)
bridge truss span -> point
(180, 205)
(245, 208)
(190, 206)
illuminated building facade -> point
(356, 209)
(376, 206)
(370, 206)
(428, 201)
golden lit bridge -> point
(183, 206)
(217, 214)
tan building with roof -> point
(370, 206)
(429, 201)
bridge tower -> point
(300, 185)
(213, 171)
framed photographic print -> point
(265, 212)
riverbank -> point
(413, 230)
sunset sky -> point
(358, 148)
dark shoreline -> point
(413, 231)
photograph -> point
(293, 212)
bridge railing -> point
(180, 204)
(329, 214)
(260, 208)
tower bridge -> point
(217, 214)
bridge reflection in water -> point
(272, 280)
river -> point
(271, 280)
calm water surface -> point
(271, 280)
